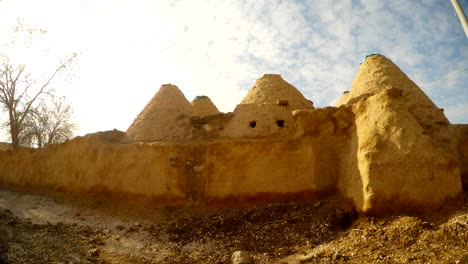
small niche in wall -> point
(283, 103)
(280, 123)
(253, 124)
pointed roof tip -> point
(203, 106)
(271, 88)
(168, 96)
(377, 57)
(378, 73)
(158, 119)
(372, 55)
(168, 86)
(376, 61)
(169, 92)
(200, 97)
(272, 75)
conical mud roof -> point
(271, 88)
(202, 106)
(378, 73)
(165, 117)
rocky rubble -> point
(24, 242)
(274, 233)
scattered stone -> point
(132, 229)
(185, 235)
(94, 252)
(240, 257)
(336, 256)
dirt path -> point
(68, 209)
(141, 232)
(99, 226)
(59, 228)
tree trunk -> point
(14, 136)
(14, 130)
(39, 141)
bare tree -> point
(48, 124)
(20, 92)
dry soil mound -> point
(203, 106)
(93, 230)
(163, 118)
(271, 88)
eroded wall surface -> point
(402, 168)
(218, 172)
(267, 170)
(462, 150)
(381, 163)
(387, 149)
(92, 164)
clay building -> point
(266, 110)
(386, 148)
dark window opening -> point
(280, 123)
(253, 124)
(283, 103)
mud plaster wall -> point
(401, 168)
(226, 171)
(260, 120)
(332, 150)
(240, 171)
(88, 164)
(462, 150)
(300, 167)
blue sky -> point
(219, 48)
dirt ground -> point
(59, 228)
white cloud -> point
(219, 48)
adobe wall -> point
(262, 171)
(92, 163)
(380, 168)
(462, 150)
(402, 168)
(260, 120)
(218, 172)
(297, 167)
